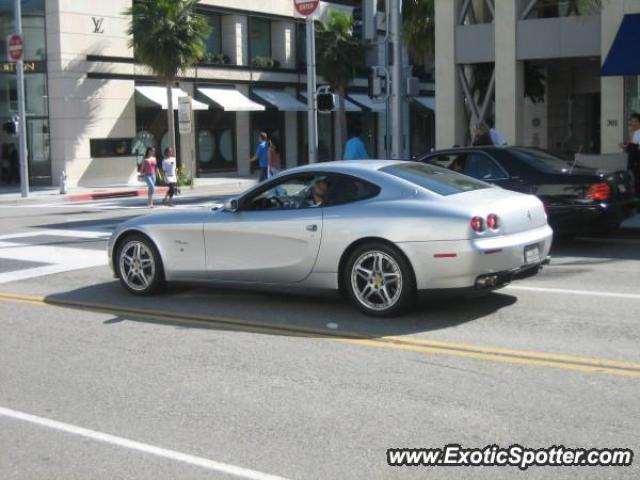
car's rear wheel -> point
(379, 280)
(139, 265)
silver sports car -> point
(379, 231)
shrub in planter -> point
(265, 62)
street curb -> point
(89, 196)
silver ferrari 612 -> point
(379, 231)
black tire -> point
(401, 294)
(153, 276)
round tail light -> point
(477, 224)
(492, 221)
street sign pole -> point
(312, 114)
(397, 139)
(22, 125)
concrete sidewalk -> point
(202, 186)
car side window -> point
(482, 167)
(452, 161)
(347, 189)
(298, 191)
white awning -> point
(230, 99)
(348, 105)
(158, 96)
(280, 100)
(427, 102)
(368, 102)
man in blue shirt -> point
(354, 149)
(262, 156)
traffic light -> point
(364, 26)
(357, 24)
(10, 127)
(374, 83)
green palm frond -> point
(167, 35)
(339, 55)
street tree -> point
(339, 56)
(418, 18)
(168, 36)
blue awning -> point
(623, 58)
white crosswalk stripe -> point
(54, 258)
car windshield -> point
(436, 179)
(541, 160)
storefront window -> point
(259, 38)
(36, 97)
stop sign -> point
(306, 7)
(15, 47)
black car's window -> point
(347, 189)
(452, 161)
(544, 161)
(482, 167)
(298, 191)
(435, 179)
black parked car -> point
(578, 199)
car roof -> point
(347, 166)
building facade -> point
(533, 67)
(92, 110)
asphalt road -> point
(208, 383)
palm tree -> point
(168, 36)
(419, 29)
(339, 55)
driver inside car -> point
(318, 193)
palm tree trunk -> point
(340, 126)
(170, 116)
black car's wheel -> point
(379, 280)
(139, 265)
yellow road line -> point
(437, 347)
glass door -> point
(38, 151)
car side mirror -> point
(231, 205)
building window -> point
(259, 38)
(110, 147)
(33, 28)
(556, 8)
(214, 42)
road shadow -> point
(597, 250)
(284, 313)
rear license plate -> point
(531, 254)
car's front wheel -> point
(139, 265)
(379, 280)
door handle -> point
(312, 228)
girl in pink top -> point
(148, 168)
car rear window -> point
(544, 161)
(436, 179)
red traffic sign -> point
(306, 7)
(15, 47)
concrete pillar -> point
(187, 153)
(291, 133)
(450, 116)
(612, 121)
(235, 38)
(283, 43)
(243, 137)
(509, 72)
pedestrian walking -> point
(275, 158)
(148, 169)
(355, 149)
(482, 136)
(169, 167)
(496, 135)
(262, 156)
